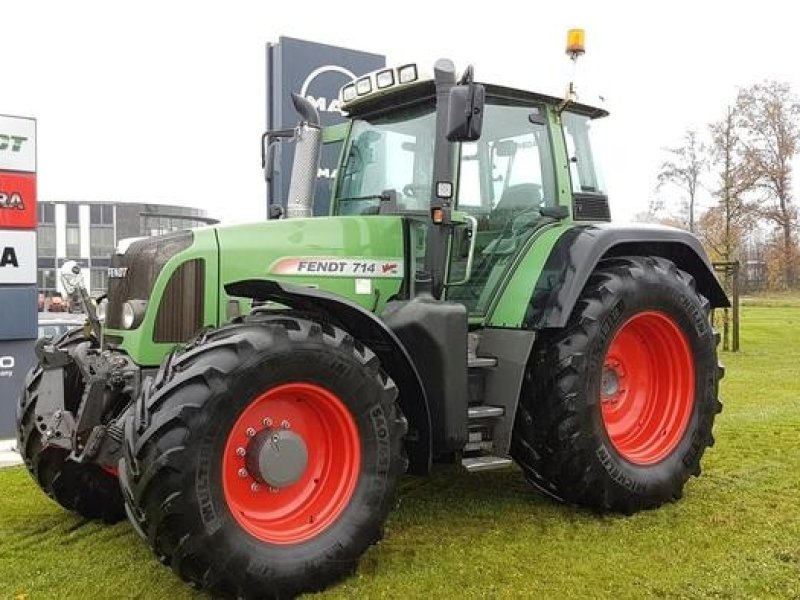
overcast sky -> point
(164, 101)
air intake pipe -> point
(308, 142)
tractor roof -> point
(385, 90)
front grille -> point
(590, 207)
(180, 312)
(143, 262)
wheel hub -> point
(277, 457)
(610, 384)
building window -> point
(46, 280)
(73, 241)
(72, 214)
(47, 240)
(101, 241)
(98, 281)
(100, 214)
(47, 212)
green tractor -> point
(253, 393)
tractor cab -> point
(531, 166)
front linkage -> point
(110, 383)
(70, 414)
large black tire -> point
(83, 488)
(562, 435)
(172, 469)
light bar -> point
(382, 81)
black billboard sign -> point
(316, 71)
(16, 359)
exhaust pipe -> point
(308, 142)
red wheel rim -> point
(303, 509)
(647, 388)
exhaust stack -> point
(308, 140)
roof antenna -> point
(576, 48)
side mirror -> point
(465, 112)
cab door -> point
(505, 178)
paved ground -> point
(8, 453)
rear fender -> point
(577, 252)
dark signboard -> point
(316, 71)
(18, 312)
(16, 358)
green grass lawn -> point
(735, 534)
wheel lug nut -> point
(240, 451)
(242, 472)
(250, 432)
(285, 424)
(267, 422)
(254, 487)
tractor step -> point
(474, 464)
(479, 446)
(481, 362)
(484, 411)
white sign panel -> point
(17, 256)
(17, 144)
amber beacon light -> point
(576, 43)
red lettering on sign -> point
(17, 200)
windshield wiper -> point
(385, 196)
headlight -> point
(101, 309)
(385, 79)
(128, 315)
(349, 92)
(363, 86)
(407, 73)
(132, 313)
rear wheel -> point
(84, 488)
(618, 407)
(262, 460)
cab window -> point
(585, 175)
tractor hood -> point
(355, 257)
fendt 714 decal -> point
(338, 266)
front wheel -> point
(263, 460)
(619, 406)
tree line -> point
(735, 179)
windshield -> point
(391, 152)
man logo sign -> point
(325, 104)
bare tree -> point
(769, 114)
(723, 226)
(684, 168)
(734, 179)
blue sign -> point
(316, 71)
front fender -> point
(371, 331)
